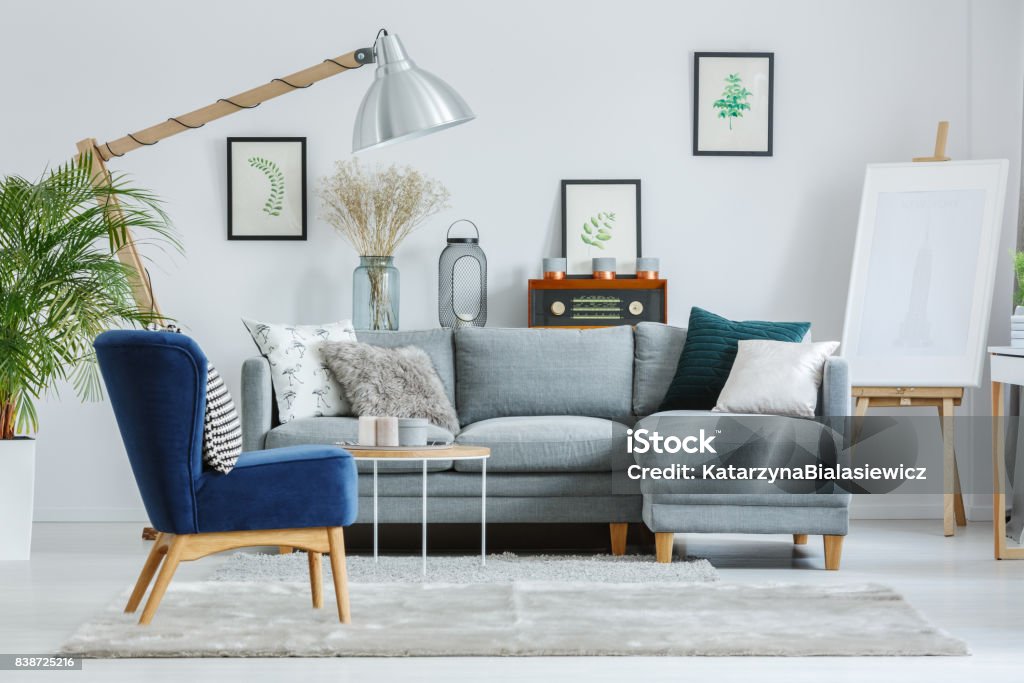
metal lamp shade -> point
(404, 101)
(462, 282)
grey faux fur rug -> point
(274, 619)
(500, 568)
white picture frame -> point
(923, 273)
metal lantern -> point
(462, 281)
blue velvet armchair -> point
(298, 497)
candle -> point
(554, 268)
(387, 431)
(647, 268)
(367, 430)
(603, 268)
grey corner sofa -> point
(555, 407)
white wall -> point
(571, 89)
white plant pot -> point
(17, 485)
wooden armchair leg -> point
(336, 543)
(619, 531)
(316, 578)
(799, 539)
(663, 547)
(156, 553)
(163, 579)
(833, 552)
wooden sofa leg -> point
(799, 539)
(618, 533)
(833, 552)
(663, 547)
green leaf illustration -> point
(275, 200)
(733, 101)
(597, 229)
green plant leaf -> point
(274, 204)
(61, 284)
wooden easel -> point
(945, 399)
(941, 135)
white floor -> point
(77, 568)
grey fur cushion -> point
(396, 382)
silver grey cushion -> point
(547, 443)
(658, 348)
(512, 372)
(331, 430)
(437, 344)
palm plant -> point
(61, 283)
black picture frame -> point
(697, 56)
(565, 241)
(231, 234)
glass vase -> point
(375, 294)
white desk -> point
(1007, 366)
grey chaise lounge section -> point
(554, 406)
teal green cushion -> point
(709, 351)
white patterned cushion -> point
(303, 384)
(222, 432)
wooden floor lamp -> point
(403, 102)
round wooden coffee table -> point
(453, 452)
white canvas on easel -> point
(923, 273)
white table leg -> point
(483, 513)
(375, 511)
(424, 517)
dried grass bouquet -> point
(376, 209)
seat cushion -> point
(547, 443)
(332, 430)
(511, 372)
(283, 488)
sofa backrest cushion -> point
(656, 355)
(437, 344)
(509, 372)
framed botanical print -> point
(732, 103)
(266, 188)
(600, 218)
